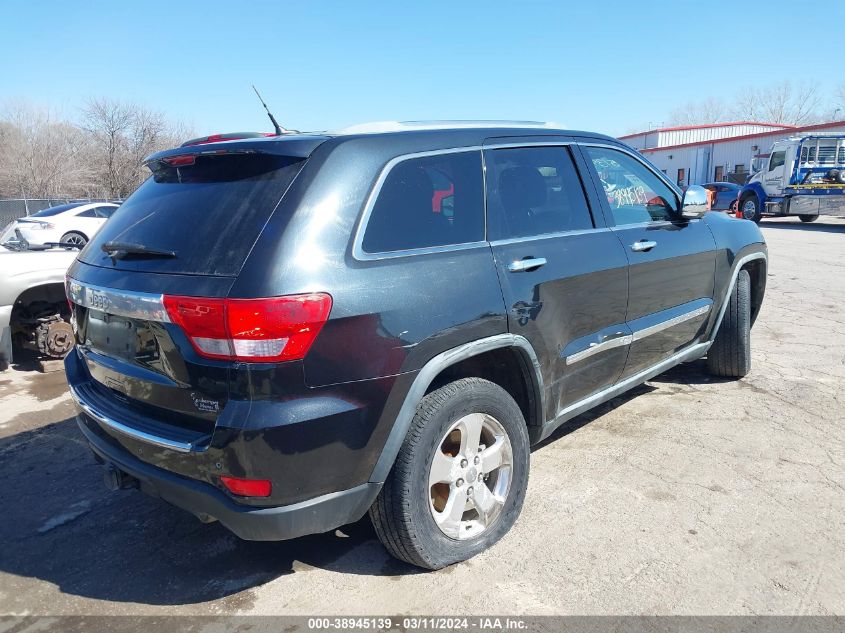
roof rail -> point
(376, 127)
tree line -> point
(787, 102)
(98, 154)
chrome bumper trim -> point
(127, 430)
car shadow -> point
(63, 527)
(819, 225)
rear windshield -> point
(46, 213)
(209, 212)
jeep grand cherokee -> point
(286, 333)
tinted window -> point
(209, 212)
(635, 194)
(88, 213)
(429, 201)
(777, 160)
(104, 212)
(54, 210)
(534, 191)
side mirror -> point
(694, 204)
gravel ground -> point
(686, 496)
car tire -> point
(808, 218)
(74, 237)
(404, 512)
(730, 354)
(751, 210)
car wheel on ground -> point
(730, 354)
(808, 218)
(75, 238)
(458, 483)
(751, 208)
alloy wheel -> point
(470, 476)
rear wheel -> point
(730, 354)
(459, 480)
(75, 238)
(750, 206)
(808, 218)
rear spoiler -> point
(298, 146)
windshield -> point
(207, 210)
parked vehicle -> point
(285, 333)
(803, 177)
(725, 195)
(73, 223)
(34, 312)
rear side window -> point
(209, 210)
(534, 191)
(428, 201)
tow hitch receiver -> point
(116, 479)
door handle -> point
(643, 245)
(524, 265)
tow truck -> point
(803, 176)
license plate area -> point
(121, 337)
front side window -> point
(534, 191)
(428, 201)
(635, 194)
(777, 160)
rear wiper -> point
(119, 250)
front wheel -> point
(460, 477)
(730, 354)
(751, 208)
(808, 218)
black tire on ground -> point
(74, 237)
(402, 514)
(730, 354)
(808, 218)
(750, 207)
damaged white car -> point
(34, 312)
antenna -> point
(279, 129)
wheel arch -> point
(78, 232)
(464, 361)
(756, 264)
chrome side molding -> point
(596, 348)
(665, 325)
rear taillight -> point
(252, 330)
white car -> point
(73, 223)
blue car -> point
(726, 195)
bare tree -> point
(122, 135)
(710, 110)
(40, 153)
(787, 103)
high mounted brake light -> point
(252, 330)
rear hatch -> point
(185, 232)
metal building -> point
(696, 154)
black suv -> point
(285, 333)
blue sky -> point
(605, 66)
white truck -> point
(803, 176)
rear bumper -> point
(312, 516)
